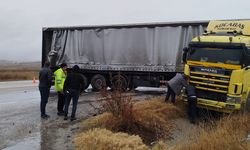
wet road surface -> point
(19, 109)
(22, 128)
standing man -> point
(44, 87)
(72, 87)
(60, 76)
(175, 85)
(192, 103)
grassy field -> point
(13, 75)
(19, 71)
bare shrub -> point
(151, 119)
(102, 139)
(121, 107)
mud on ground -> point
(24, 129)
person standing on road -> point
(60, 76)
(175, 85)
(44, 87)
(72, 87)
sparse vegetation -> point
(229, 133)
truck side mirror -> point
(184, 56)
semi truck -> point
(218, 65)
(121, 56)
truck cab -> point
(218, 65)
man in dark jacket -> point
(192, 103)
(175, 85)
(44, 87)
(72, 87)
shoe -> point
(60, 113)
(72, 118)
(45, 116)
(65, 117)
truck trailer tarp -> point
(141, 47)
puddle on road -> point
(30, 143)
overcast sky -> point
(21, 21)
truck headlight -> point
(233, 99)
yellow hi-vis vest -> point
(60, 77)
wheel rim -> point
(98, 82)
(119, 83)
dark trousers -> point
(72, 94)
(192, 108)
(170, 93)
(44, 92)
(60, 102)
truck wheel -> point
(86, 82)
(98, 82)
(119, 83)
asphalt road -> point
(22, 128)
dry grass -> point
(152, 120)
(12, 75)
(19, 71)
(156, 117)
(229, 133)
(160, 145)
(102, 139)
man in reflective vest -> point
(60, 76)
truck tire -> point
(86, 82)
(98, 82)
(119, 83)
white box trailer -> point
(121, 55)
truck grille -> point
(210, 85)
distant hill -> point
(3, 62)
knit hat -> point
(75, 68)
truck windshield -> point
(216, 55)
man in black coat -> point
(192, 103)
(44, 87)
(73, 86)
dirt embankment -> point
(162, 126)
